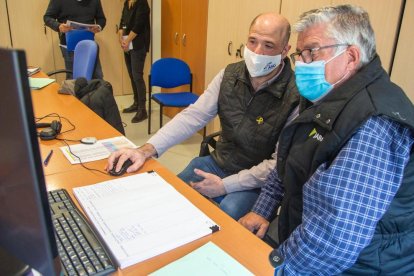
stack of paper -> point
(98, 151)
(39, 83)
(32, 70)
(141, 216)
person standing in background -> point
(134, 37)
(82, 11)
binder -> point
(141, 216)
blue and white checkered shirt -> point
(343, 203)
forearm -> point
(50, 16)
(147, 150)
(270, 197)
(249, 179)
(100, 18)
(130, 37)
(190, 120)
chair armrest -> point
(208, 141)
(51, 73)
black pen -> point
(48, 158)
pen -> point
(48, 158)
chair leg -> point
(149, 116)
(161, 115)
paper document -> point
(32, 70)
(100, 150)
(81, 26)
(141, 216)
(130, 47)
(39, 83)
(207, 260)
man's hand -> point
(95, 29)
(137, 156)
(211, 186)
(253, 222)
(64, 28)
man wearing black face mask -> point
(83, 11)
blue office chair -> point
(73, 37)
(170, 73)
(84, 60)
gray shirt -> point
(195, 117)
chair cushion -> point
(180, 99)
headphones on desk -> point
(50, 131)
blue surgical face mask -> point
(311, 81)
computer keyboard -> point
(80, 250)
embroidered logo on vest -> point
(315, 135)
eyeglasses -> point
(308, 54)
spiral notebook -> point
(141, 216)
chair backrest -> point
(84, 59)
(169, 73)
(75, 36)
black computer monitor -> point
(26, 230)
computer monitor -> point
(26, 230)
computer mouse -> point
(123, 169)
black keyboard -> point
(80, 251)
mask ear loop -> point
(346, 74)
(338, 54)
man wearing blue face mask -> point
(344, 179)
(253, 99)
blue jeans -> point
(235, 204)
(68, 58)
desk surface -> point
(242, 245)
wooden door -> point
(184, 27)
(170, 28)
(221, 42)
(110, 52)
(193, 39)
(28, 32)
(403, 70)
(4, 26)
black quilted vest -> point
(251, 122)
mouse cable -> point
(80, 161)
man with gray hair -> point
(344, 178)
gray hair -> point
(346, 24)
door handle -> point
(239, 52)
(229, 47)
(184, 40)
(176, 38)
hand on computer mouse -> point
(137, 156)
(123, 169)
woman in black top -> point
(134, 37)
